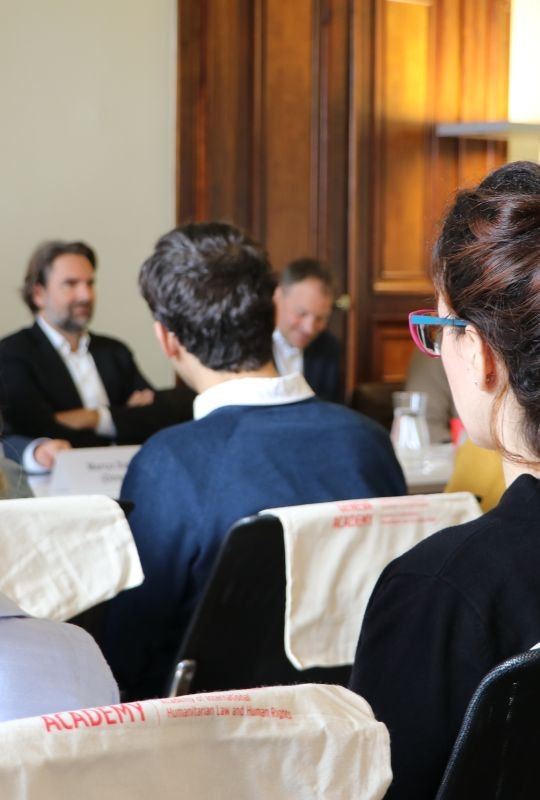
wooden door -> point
(311, 124)
(431, 61)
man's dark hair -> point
(41, 262)
(303, 268)
(212, 286)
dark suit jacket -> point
(322, 367)
(35, 383)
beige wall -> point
(87, 93)
(523, 91)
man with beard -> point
(60, 381)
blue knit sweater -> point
(191, 482)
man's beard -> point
(74, 324)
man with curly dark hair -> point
(258, 440)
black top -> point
(440, 617)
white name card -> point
(91, 470)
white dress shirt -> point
(288, 359)
(82, 368)
(252, 392)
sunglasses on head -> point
(426, 330)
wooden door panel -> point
(213, 111)
(312, 124)
(289, 103)
(402, 108)
(392, 348)
(433, 61)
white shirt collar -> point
(252, 392)
(60, 342)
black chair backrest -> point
(236, 636)
(497, 751)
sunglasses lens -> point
(430, 337)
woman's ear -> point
(485, 366)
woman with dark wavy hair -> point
(468, 597)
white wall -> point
(87, 132)
(523, 90)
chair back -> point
(236, 635)
(276, 743)
(496, 754)
(334, 555)
(288, 591)
(64, 555)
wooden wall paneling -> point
(331, 65)
(402, 113)
(258, 148)
(263, 123)
(470, 73)
(303, 102)
(433, 60)
(484, 85)
(496, 75)
(302, 118)
(498, 59)
(399, 192)
(474, 28)
(447, 58)
(215, 110)
(187, 108)
(229, 110)
(312, 125)
(288, 96)
(360, 207)
(392, 348)
(485, 28)
(331, 38)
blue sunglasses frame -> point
(427, 318)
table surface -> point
(430, 475)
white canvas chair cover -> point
(334, 553)
(303, 742)
(63, 555)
